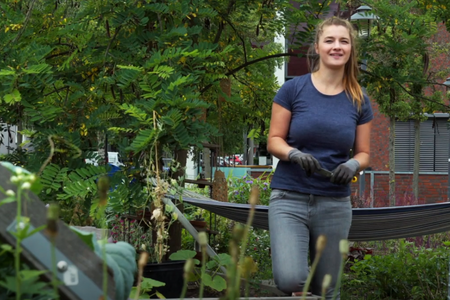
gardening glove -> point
(344, 173)
(305, 160)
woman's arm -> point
(362, 145)
(279, 127)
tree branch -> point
(241, 38)
(219, 32)
(422, 97)
(412, 94)
(110, 41)
(251, 62)
(25, 23)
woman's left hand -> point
(344, 173)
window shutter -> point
(442, 140)
(434, 146)
(426, 146)
(404, 146)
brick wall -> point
(432, 189)
(379, 154)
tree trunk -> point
(392, 161)
(416, 159)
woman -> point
(316, 119)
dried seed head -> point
(326, 282)
(238, 232)
(26, 185)
(254, 196)
(52, 220)
(102, 188)
(343, 247)
(202, 238)
(189, 266)
(321, 243)
(143, 259)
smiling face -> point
(334, 47)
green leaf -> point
(148, 284)
(7, 200)
(29, 274)
(87, 237)
(182, 255)
(36, 230)
(13, 97)
(7, 72)
(159, 295)
(216, 282)
(143, 295)
(12, 167)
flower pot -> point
(169, 272)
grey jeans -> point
(296, 220)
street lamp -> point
(363, 18)
(447, 86)
(447, 83)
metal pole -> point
(362, 183)
(185, 222)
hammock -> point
(369, 224)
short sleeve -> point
(285, 95)
(366, 114)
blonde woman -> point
(316, 119)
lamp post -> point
(363, 19)
(447, 86)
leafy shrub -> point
(410, 272)
(239, 189)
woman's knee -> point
(290, 284)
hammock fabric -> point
(369, 224)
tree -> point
(137, 76)
(397, 72)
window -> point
(434, 145)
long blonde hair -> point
(351, 71)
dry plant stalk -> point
(143, 258)
(160, 191)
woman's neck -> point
(329, 81)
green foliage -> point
(147, 286)
(239, 189)
(409, 272)
(398, 53)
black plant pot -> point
(169, 272)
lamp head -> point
(363, 18)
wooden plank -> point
(87, 265)
(198, 182)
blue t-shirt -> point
(322, 125)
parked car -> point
(236, 159)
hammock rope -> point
(368, 224)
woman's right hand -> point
(308, 162)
